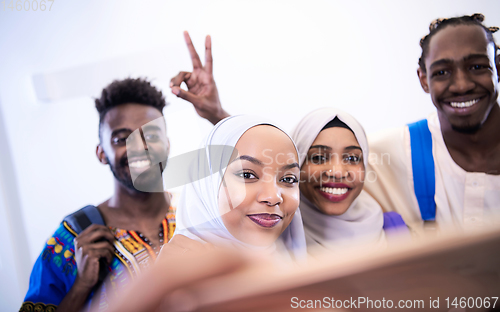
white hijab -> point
(362, 223)
(198, 215)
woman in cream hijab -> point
(333, 155)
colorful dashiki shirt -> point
(55, 269)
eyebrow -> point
(255, 161)
(476, 56)
(151, 127)
(320, 146)
(329, 148)
(118, 131)
(466, 58)
(290, 166)
(353, 147)
(251, 159)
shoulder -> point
(53, 273)
(181, 244)
(387, 140)
(390, 150)
(59, 250)
(184, 242)
(389, 178)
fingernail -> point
(171, 84)
(176, 91)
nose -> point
(270, 193)
(461, 82)
(336, 170)
(136, 143)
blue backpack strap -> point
(83, 218)
(424, 179)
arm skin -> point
(93, 243)
(182, 262)
(202, 91)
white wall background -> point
(276, 58)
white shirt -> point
(470, 200)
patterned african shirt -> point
(55, 269)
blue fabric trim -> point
(422, 160)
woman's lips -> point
(335, 192)
(265, 219)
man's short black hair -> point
(129, 90)
(441, 23)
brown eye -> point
(352, 159)
(290, 180)
(439, 73)
(151, 137)
(247, 175)
(119, 141)
(478, 67)
(317, 159)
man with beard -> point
(445, 170)
(138, 216)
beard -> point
(467, 128)
(149, 181)
(121, 173)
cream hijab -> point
(362, 223)
(198, 215)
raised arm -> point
(182, 263)
(201, 89)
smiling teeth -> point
(139, 164)
(334, 191)
(464, 104)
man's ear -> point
(100, 155)
(423, 79)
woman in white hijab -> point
(333, 155)
(244, 191)
(243, 195)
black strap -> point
(83, 218)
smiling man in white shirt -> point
(461, 179)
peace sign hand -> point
(202, 91)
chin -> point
(467, 128)
(334, 209)
(148, 187)
(263, 240)
(149, 181)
